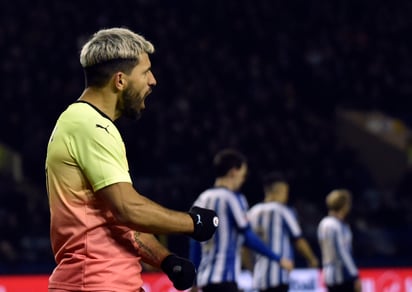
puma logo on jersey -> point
(105, 128)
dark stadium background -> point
(276, 79)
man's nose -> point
(152, 80)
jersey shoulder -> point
(330, 222)
(214, 194)
(82, 119)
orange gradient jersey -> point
(92, 250)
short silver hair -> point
(114, 43)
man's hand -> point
(358, 285)
(286, 264)
(313, 262)
(205, 222)
(180, 271)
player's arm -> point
(179, 270)
(301, 244)
(357, 285)
(253, 242)
(101, 158)
(248, 258)
(195, 252)
(195, 255)
(149, 248)
(344, 254)
(303, 247)
(142, 214)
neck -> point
(101, 98)
(274, 197)
(225, 183)
(337, 214)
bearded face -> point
(139, 85)
(131, 103)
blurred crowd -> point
(265, 77)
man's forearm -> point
(156, 219)
(304, 249)
(142, 214)
(149, 248)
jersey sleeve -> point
(101, 155)
(292, 223)
(238, 209)
(344, 254)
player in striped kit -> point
(335, 238)
(219, 259)
(278, 226)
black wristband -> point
(205, 222)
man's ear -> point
(120, 82)
(231, 172)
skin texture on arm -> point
(150, 249)
(302, 246)
(142, 214)
(247, 258)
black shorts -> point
(221, 287)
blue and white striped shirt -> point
(335, 239)
(277, 225)
(220, 256)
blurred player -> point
(100, 225)
(335, 239)
(219, 258)
(278, 227)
